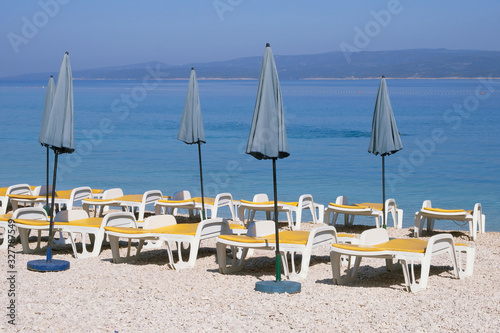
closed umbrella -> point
(57, 134)
(191, 129)
(49, 98)
(385, 138)
(267, 140)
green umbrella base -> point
(273, 287)
(43, 265)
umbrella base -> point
(43, 265)
(274, 287)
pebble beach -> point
(96, 295)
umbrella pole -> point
(51, 226)
(201, 181)
(383, 193)
(47, 207)
(278, 254)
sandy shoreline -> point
(95, 295)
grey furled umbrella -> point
(267, 140)
(385, 138)
(57, 133)
(49, 98)
(191, 129)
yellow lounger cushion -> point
(363, 205)
(440, 210)
(209, 201)
(376, 206)
(25, 196)
(90, 222)
(401, 245)
(177, 229)
(286, 237)
(236, 226)
(5, 217)
(354, 206)
(396, 245)
(266, 203)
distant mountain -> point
(417, 63)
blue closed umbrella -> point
(191, 129)
(56, 133)
(385, 138)
(267, 140)
(49, 99)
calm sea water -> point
(125, 136)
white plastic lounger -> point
(475, 218)
(191, 233)
(130, 202)
(341, 206)
(183, 200)
(73, 222)
(261, 203)
(261, 236)
(375, 243)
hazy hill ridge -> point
(417, 63)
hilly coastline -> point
(417, 63)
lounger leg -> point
(236, 264)
(24, 234)
(350, 275)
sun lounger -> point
(65, 198)
(475, 218)
(261, 236)
(341, 206)
(135, 203)
(375, 243)
(191, 233)
(261, 203)
(74, 222)
(212, 205)
(5, 193)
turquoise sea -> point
(126, 136)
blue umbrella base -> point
(43, 265)
(274, 287)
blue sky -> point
(35, 34)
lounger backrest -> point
(261, 197)
(30, 213)
(305, 200)
(71, 215)
(119, 219)
(426, 203)
(213, 228)
(150, 197)
(42, 190)
(78, 194)
(19, 189)
(374, 236)
(181, 195)
(112, 193)
(322, 236)
(438, 243)
(341, 200)
(158, 221)
(222, 200)
(261, 228)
